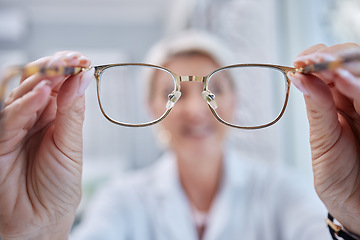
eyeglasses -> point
(245, 96)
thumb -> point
(70, 115)
(321, 111)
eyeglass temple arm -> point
(54, 71)
(8, 74)
(14, 71)
(328, 65)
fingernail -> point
(85, 81)
(72, 55)
(297, 83)
(41, 85)
(345, 74)
(315, 57)
(328, 75)
(73, 62)
(306, 58)
(327, 57)
(84, 61)
(301, 58)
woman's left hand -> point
(332, 100)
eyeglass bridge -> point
(206, 94)
(192, 79)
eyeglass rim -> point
(284, 69)
(101, 68)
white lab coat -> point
(254, 202)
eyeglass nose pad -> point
(210, 98)
(173, 97)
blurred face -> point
(193, 129)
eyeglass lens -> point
(257, 94)
(135, 94)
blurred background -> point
(114, 31)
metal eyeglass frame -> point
(175, 95)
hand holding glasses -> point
(119, 85)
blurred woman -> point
(200, 188)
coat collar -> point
(171, 200)
(229, 195)
(175, 206)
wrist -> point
(338, 231)
(352, 226)
(41, 236)
(49, 232)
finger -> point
(38, 62)
(27, 85)
(345, 79)
(348, 85)
(312, 49)
(28, 82)
(337, 49)
(58, 55)
(70, 115)
(332, 53)
(331, 77)
(65, 58)
(313, 58)
(21, 115)
(321, 111)
(75, 59)
(342, 49)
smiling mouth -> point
(197, 131)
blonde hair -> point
(189, 42)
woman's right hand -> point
(41, 151)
